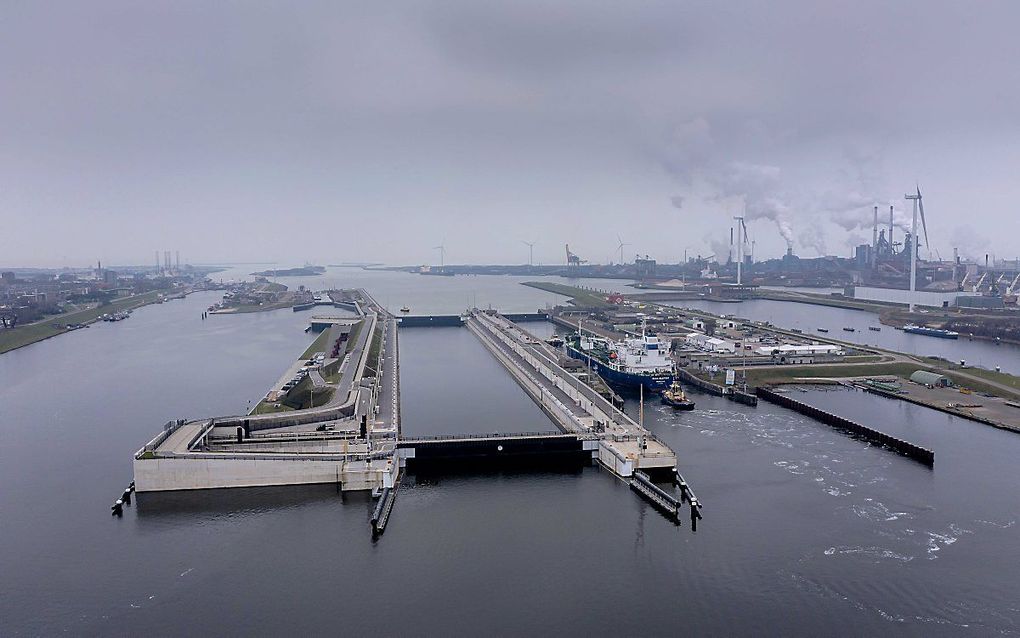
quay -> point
(415, 321)
(623, 445)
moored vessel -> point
(634, 362)
(930, 332)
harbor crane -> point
(572, 259)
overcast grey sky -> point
(358, 131)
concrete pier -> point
(623, 445)
(350, 441)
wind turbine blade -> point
(924, 224)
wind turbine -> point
(531, 251)
(442, 254)
(924, 225)
(620, 247)
(913, 247)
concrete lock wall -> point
(611, 459)
(163, 474)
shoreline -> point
(125, 303)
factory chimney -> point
(890, 229)
(874, 239)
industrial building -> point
(704, 342)
(791, 349)
(933, 379)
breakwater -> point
(906, 448)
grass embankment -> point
(786, 374)
(818, 300)
(578, 296)
(11, 338)
(948, 367)
(265, 407)
(319, 345)
(352, 338)
(373, 351)
(305, 395)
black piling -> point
(916, 452)
(381, 515)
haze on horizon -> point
(327, 132)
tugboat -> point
(676, 397)
(848, 329)
(405, 310)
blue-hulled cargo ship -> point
(634, 362)
(931, 332)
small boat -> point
(556, 341)
(797, 330)
(849, 329)
(405, 309)
(676, 397)
(823, 330)
(875, 328)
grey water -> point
(425, 295)
(806, 531)
(809, 318)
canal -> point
(806, 530)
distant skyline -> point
(331, 132)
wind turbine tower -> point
(620, 247)
(913, 247)
(531, 251)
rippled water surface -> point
(806, 531)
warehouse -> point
(709, 344)
(931, 379)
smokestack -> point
(986, 260)
(890, 228)
(874, 238)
